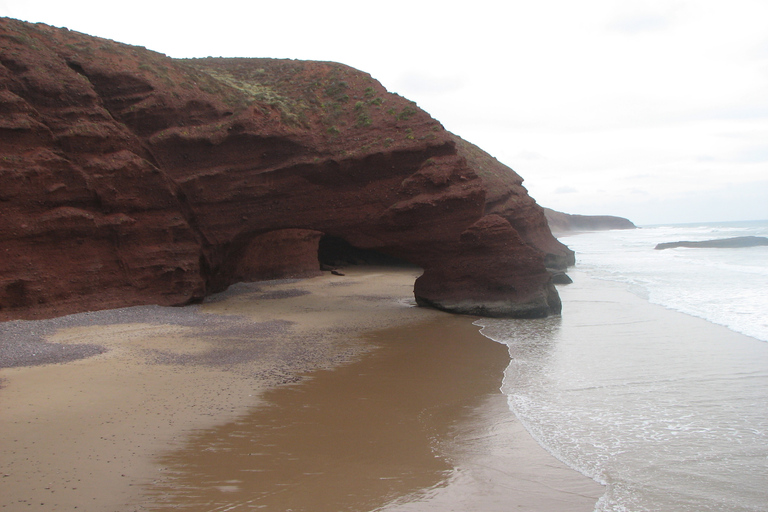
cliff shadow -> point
(334, 252)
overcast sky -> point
(652, 110)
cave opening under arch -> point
(334, 252)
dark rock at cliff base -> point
(560, 277)
(725, 243)
(127, 178)
(565, 222)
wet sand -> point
(332, 393)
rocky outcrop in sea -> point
(719, 243)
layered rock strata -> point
(127, 178)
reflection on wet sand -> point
(352, 438)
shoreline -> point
(91, 432)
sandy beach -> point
(331, 393)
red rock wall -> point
(130, 178)
(278, 254)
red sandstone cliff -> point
(127, 178)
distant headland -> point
(565, 222)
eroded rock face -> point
(130, 178)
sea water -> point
(666, 410)
(724, 286)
